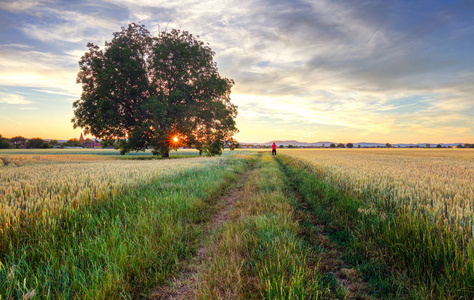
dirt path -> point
(350, 283)
(184, 285)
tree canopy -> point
(17, 139)
(36, 143)
(155, 92)
(4, 144)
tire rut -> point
(349, 280)
(184, 285)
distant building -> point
(81, 139)
(95, 144)
(19, 144)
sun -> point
(175, 140)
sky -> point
(307, 70)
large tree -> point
(155, 92)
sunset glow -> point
(344, 71)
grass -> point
(282, 239)
(19, 157)
(401, 253)
(148, 157)
(433, 182)
(116, 248)
(258, 254)
(32, 192)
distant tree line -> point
(38, 143)
(22, 142)
(19, 142)
(351, 145)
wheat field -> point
(437, 182)
(37, 186)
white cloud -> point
(360, 66)
(38, 69)
(19, 5)
(12, 99)
(71, 27)
(55, 92)
(62, 33)
(20, 46)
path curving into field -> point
(184, 284)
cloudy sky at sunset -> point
(307, 70)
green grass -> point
(258, 253)
(152, 157)
(106, 152)
(126, 245)
(401, 253)
(118, 248)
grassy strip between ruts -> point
(119, 246)
(401, 254)
(258, 253)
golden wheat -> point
(38, 190)
(437, 182)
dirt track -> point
(184, 284)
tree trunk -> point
(165, 153)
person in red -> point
(274, 149)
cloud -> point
(62, 33)
(349, 66)
(38, 69)
(345, 64)
(20, 5)
(12, 99)
(68, 26)
(20, 46)
(54, 92)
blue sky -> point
(345, 71)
